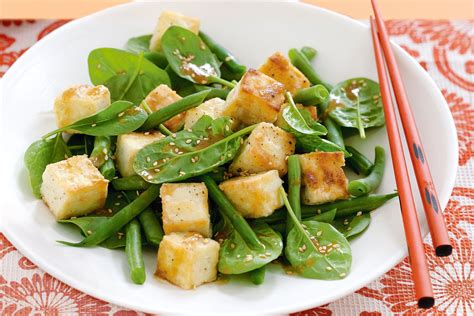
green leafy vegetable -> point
(190, 153)
(356, 103)
(236, 256)
(80, 144)
(120, 117)
(128, 76)
(352, 226)
(40, 154)
(139, 44)
(317, 250)
(190, 58)
(296, 121)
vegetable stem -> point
(360, 125)
(164, 130)
(227, 209)
(223, 82)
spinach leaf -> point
(236, 256)
(325, 217)
(120, 117)
(356, 103)
(139, 44)
(316, 250)
(310, 143)
(352, 226)
(297, 122)
(128, 76)
(190, 58)
(40, 154)
(189, 153)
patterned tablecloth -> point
(445, 49)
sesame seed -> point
(172, 144)
(353, 82)
(106, 157)
(228, 58)
(262, 256)
(89, 232)
(150, 177)
(229, 155)
(346, 222)
(173, 135)
(157, 170)
(155, 163)
(319, 233)
(268, 254)
(302, 248)
(110, 211)
(349, 228)
(93, 125)
(318, 211)
(188, 141)
(146, 133)
(248, 258)
(148, 159)
(359, 213)
(198, 142)
(117, 204)
(176, 150)
(180, 153)
(182, 173)
(227, 128)
(342, 275)
(328, 268)
(232, 246)
(336, 246)
(105, 151)
(121, 114)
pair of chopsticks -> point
(433, 211)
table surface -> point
(446, 50)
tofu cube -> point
(73, 187)
(265, 149)
(185, 208)
(323, 179)
(167, 19)
(161, 97)
(128, 146)
(78, 102)
(187, 259)
(213, 108)
(256, 195)
(256, 98)
(280, 68)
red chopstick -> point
(416, 252)
(433, 211)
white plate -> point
(252, 31)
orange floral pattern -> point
(445, 49)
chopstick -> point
(433, 211)
(419, 267)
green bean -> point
(108, 169)
(119, 219)
(294, 189)
(227, 209)
(100, 153)
(158, 58)
(164, 114)
(358, 162)
(312, 96)
(223, 55)
(346, 208)
(372, 181)
(334, 133)
(325, 217)
(257, 276)
(309, 52)
(133, 249)
(151, 226)
(130, 183)
(213, 92)
(300, 61)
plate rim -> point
(96, 292)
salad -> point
(222, 169)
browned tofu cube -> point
(161, 97)
(185, 208)
(187, 259)
(256, 98)
(267, 148)
(280, 68)
(323, 179)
